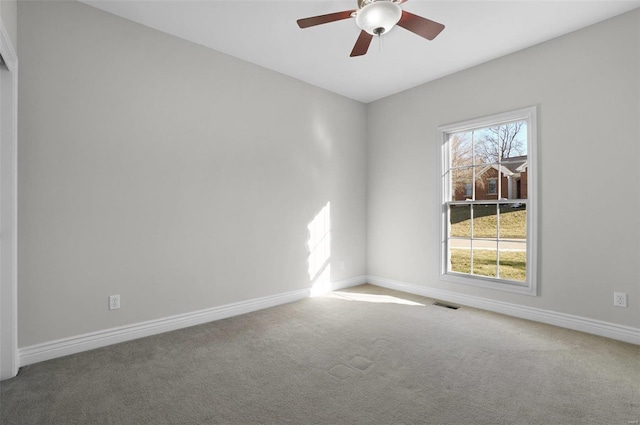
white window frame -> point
(529, 287)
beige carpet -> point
(361, 356)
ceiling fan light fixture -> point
(378, 17)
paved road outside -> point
(481, 244)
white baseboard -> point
(348, 283)
(89, 341)
(583, 324)
(76, 344)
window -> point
(488, 198)
(493, 187)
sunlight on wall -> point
(320, 251)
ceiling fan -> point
(377, 17)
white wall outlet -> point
(341, 265)
(619, 299)
(114, 302)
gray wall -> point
(173, 175)
(587, 88)
(8, 13)
(182, 179)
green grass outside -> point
(513, 221)
(513, 264)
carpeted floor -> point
(366, 355)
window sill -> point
(525, 288)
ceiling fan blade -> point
(362, 44)
(419, 25)
(324, 19)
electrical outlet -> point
(619, 299)
(341, 265)
(114, 302)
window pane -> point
(485, 224)
(487, 182)
(513, 221)
(485, 261)
(460, 224)
(460, 257)
(513, 260)
(494, 144)
(461, 149)
(515, 177)
(513, 139)
(488, 144)
(460, 179)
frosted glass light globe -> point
(378, 17)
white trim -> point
(491, 120)
(9, 358)
(76, 344)
(530, 287)
(89, 341)
(487, 282)
(578, 323)
(348, 283)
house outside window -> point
(488, 201)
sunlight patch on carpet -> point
(371, 298)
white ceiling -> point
(265, 32)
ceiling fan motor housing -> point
(378, 17)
